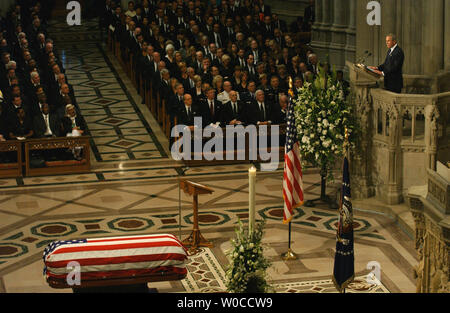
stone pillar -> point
(321, 37)
(338, 35)
(447, 35)
(124, 5)
(5, 5)
(432, 37)
(350, 47)
(389, 20)
(394, 188)
(431, 135)
(318, 19)
(316, 31)
(361, 161)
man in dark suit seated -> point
(391, 69)
(46, 124)
(279, 113)
(187, 112)
(176, 102)
(259, 111)
(210, 108)
(249, 95)
(233, 112)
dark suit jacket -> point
(392, 68)
(255, 115)
(67, 124)
(184, 118)
(174, 105)
(228, 114)
(278, 116)
(39, 126)
(205, 111)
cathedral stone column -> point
(5, 5)
(350, 47)
(338, 34)
(318, 9)
(316, 30)
(432, 37)
(447, 35)
(321, 33)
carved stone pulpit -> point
(196, 239)
(361, 82)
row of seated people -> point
(229, 108)
(36, 99)
(191, 60)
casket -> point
(114, 261)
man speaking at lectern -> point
(391, 69)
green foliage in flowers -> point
(322, 114)
(247, 270)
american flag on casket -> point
(116, 257)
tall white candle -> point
(251, 198)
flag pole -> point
(289, 255)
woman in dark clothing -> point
(21, 126)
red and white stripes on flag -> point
(293, 177)
(117, 257)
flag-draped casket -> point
(130, 258)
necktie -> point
(211, 107)
(189, 112)
(234, 108)
(263, 111)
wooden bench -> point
(198, 159)
(58, 167)
(13, 169)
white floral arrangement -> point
(247, 270)
(322, 114)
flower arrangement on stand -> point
(247, 270)
(322, 114)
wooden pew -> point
(11, 169)
(58, 167)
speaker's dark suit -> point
(392, 68)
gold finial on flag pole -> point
(346, 143)
(291, 90)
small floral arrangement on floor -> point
(247, 270)
(321, 115)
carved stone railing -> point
(430, 207)
(402, 135)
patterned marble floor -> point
(133, 190)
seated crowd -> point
(229, 64)
(36, 99)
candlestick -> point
(251, 198)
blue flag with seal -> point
(344, 260)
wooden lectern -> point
(361, 74)
(196, 239)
